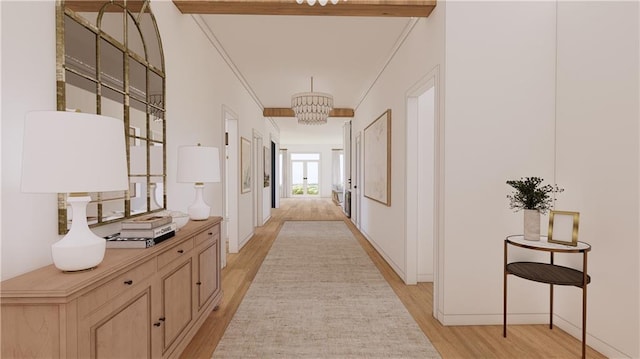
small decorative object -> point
(534, 198)
(180, 218)
(563, 227)
(198, 164)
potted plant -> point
(534, 198)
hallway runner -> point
(319, 295)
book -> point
(146, 222)
(116, 241)
(148, 233)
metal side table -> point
(548, 273)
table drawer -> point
(208, 235)
(96, 298)
(175, 252)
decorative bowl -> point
(180, 218)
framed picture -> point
(245, 165)
(377, 159)
(267, 166)
(563, 227)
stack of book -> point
(143, 232)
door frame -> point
(230, 225)
(318, 161)
(412, 176)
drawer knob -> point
(180, 251)
(128, 282)
(157, 324)
(199, 283)
(211, 233)
(162, 319)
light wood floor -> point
(523, 341)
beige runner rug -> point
(319, 295)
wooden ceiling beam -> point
(380, 8)
(96, 5)
(287, 112)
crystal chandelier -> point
(321, 2)
(311, 108)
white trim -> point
(245, 240)
(396, 268)
(593, 342)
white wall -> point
(198, 86)
(420, 54)
(597, 163)
(499, 125)
(28, 83)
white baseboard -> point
(531, 318)
(425, 277)
(244, 241)
(386, 258)
(595, 343)
(494, 319)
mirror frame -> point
(132, 10)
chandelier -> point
(321, 2)
(311, 108)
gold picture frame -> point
(563, 227)
(377, 159)
(245, 165)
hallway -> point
(531, 341)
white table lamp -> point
(75, 153)
(198, 164)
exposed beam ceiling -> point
(392, 8)
(287, 112)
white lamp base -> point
(199, 210)
(154, 201)
(80, 249)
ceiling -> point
(275, 56)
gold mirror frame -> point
(143, 109)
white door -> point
(305, 174)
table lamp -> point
(75, 153)
(198, 164)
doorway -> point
(357, 201)
(231, 190)
(305, 175)
(423, 169)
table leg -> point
(551, 300)
(584, 304)
(504, 294)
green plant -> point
(531, 194)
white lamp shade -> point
(67, 152)
(198, 164)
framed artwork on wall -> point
(245, 165)
(377, 159)
(267, 166)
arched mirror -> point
(110, 62)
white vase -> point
(531, 225)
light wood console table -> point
(549, 273)
(137, 303)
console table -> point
(137, 303)
(549, 273)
